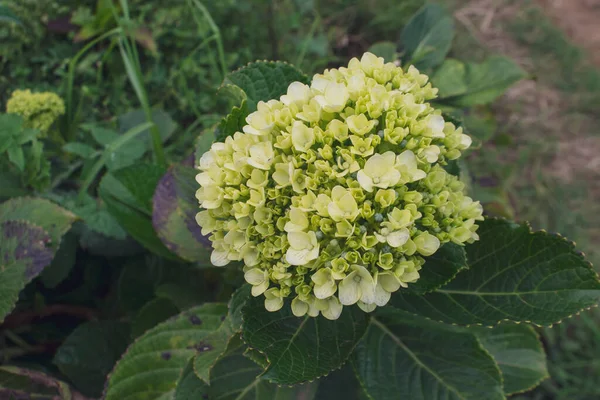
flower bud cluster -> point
(39, 110)
(334, 194)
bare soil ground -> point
(580, 19)
(540, 104)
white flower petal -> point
(381, 295)
(324, 291)
(273, 304)
(299, 307)
(398, 238)
(219, 258)
(260, 289)
(349, 290)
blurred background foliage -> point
(537, 159)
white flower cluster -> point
(333, 194)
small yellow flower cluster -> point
(333, 194)
(39, 110)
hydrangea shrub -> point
(320, 243)
(334, 193)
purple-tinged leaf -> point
(174, 214)
(24, 253)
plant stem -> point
(217, 34)
(112, 147)
(71, 115)
(131, 59)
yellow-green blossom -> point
(335, 194)
(39, 110)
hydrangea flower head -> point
(39, 110)
(334, 194)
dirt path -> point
(580, 20)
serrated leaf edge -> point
(530, 231)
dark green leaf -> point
(94, 213)
(151, 314)
(235, 377)
(340, 384)
(514, 274)
(6, 15)
(427, 37)
(206, 360)
(24, 252)
(189, 386)
(151, 367)
(16, 156)
(43, 213)
(63, 261)
(90, 352)
(232, 123)
(301, 349)
(387, 50)
(163, 121)
(80, 149)
(174, 214)
(450, 78)
(20, 383)
(203, 142)
(138, 282)
(483, 82)
(440, 268)
(11, 185)
(265, 80)
(236, 306)
(183, 297)
(400, 360)
(128, 197)
(519, 354)
(102, 136)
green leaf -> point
(398, 359)
(151, 314)
(265, 80)
(24, 253)
(163, 121)
(128, 197)
(137, 283)
(300, 349)
(232, 123)
(440, 268)
(102, 136)
(80, 149)
(222, 338)
(235, 377)
(387, 50)
(153, 364)
(53, 219)
(484, 82)
(427, 37)
(340, 384)
(174, 214)
(450, 78)
(90, 352)
(203, 142)
(6, 15)
(94, 213)
(183, 297)
(21, 383)
(189, 386)
(16, 156)
(205, 361)
(63, 261)
(519, 354)
(514, 274)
